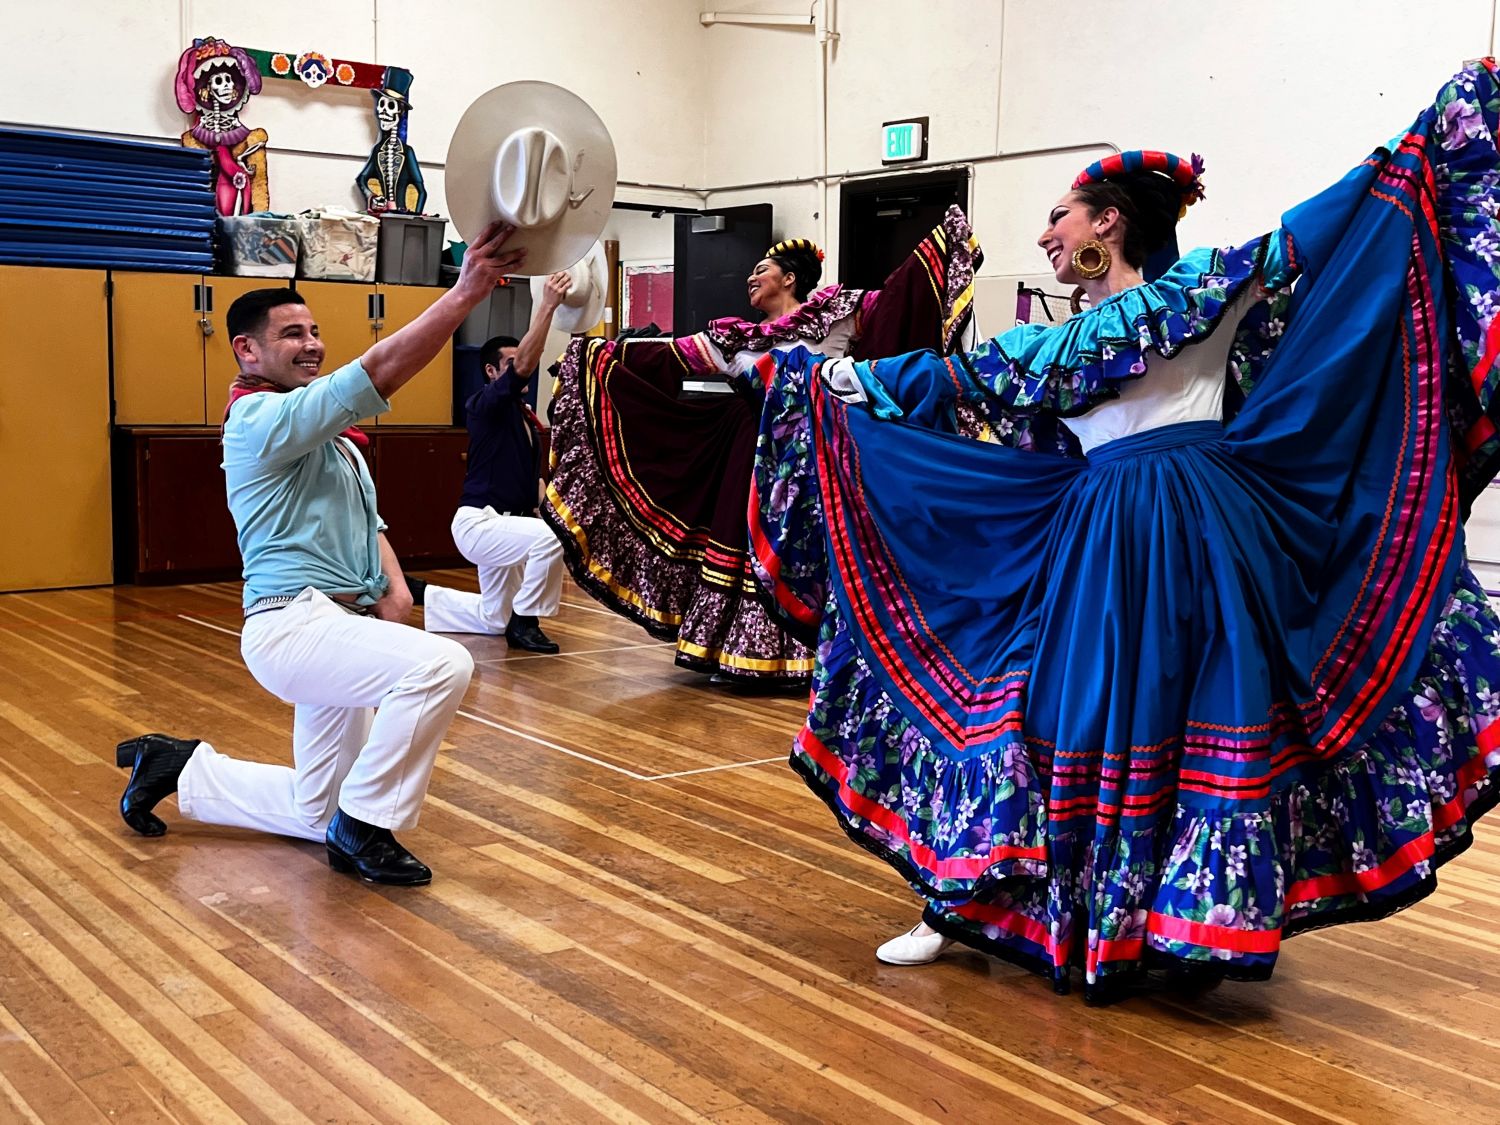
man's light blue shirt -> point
(301, 496)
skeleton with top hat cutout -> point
(392, 179)
(214, 82)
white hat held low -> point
(537, 156)
(581, 309)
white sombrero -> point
(537, 156)
(584, 305)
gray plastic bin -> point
(506, 313)
(411, 249)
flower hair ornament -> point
(1186, 174)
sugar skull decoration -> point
(214, 82)
(314, 69)
(392, 179)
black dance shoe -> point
(523, 632)
(155, 762)
(418, 588)
(372, 853)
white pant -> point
(520, 566)
(337, 668)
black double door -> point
(881, 220)
(712, 256)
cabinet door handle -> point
(370, 313)
(206, 302)
(197, 296)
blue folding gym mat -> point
(78, 200)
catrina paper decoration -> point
(214, 82)
(392, 179)
(316, 69)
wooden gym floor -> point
(639, 914)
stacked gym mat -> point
(73, 200)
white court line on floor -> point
(713, 769)
(608, 765)
(502, 660)
(594, 609)
(473, 718)
(542, 741)
(210, 625)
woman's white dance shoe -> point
(918, 946)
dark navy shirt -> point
(502, 472)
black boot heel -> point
(155, 762)
(339, 862)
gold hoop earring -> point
(1091, 259)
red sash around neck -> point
(253, 384)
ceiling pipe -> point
(908, 169)
(758, 19)
(827, 36)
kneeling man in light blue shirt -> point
(325, 600)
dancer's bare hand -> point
(395, 605)
(486, 261)
(557, 287)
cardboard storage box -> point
(339, 245)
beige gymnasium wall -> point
(99, 65)
(1281, 98)
(102, 66)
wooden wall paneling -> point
(219, 367)
(342, 312)
(54, 428)
(428, 399)
(158, 349)
(418, 480)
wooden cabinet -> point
(419, 478)
(172, 521)
(171, 367)
(428, 399)
(158, 346)
(54, 428)
(172, 360)
(352, 316)
(173, 363)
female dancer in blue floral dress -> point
(1187, 659)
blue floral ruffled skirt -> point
(1214, 685)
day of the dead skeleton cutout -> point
(214, 81)
(392, 179)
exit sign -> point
(901, 141)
